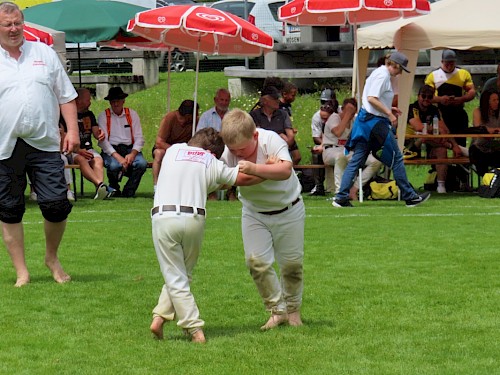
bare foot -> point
(157, 327)
(294, 319)
(22, 280)
(274, 321)
(57, 271)
(198, 337)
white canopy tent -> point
(454, 24)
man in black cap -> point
(121, 149)
(454, 87)
(269, 116)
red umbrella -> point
(203, 30)
(34, 34)
(355, 12)
(135, 42)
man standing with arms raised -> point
(34, 91)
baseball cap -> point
(271, 91)
(327, 94)
(449, 55)
(401, 59)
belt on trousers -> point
(172, 207)
(283, 209)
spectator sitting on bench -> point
(175, 127)
(89, 160)
(484, 153)
(336, 132)
(122, 145)
(422, 112)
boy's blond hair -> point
(237, 127)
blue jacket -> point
(376, 131)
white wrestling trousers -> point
(177, 240)
(280, 238)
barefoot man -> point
(34, 91)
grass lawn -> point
(388, 289)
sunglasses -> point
(327, 108)
(430, 96)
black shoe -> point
(318, 192)
(101, 191)
(341, 203)
(419, 199)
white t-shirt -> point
(269, 195)
(188, 174)
(316, 125)
(378, 84)
(329, 138)
(31, 91)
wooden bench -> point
(74, 167)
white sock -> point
(154, 188)
(465, 150)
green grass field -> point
(388, 290)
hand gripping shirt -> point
(268, 195)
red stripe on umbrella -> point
(33, 34)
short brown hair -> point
(237, 126)
(9, 7)
(208, 139)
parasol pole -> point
(79, 67)
(169, 63)
(356, 85)
(196, 83)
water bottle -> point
(423, 150)
(435, 126)
(424, 129)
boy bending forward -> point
(188, 173)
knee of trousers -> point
(292, 270)
(12, 215)
(257, 267)
(56, 211)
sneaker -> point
(317, 192)
(101, 191)
(341, 203)
(441, 190)
(419, 199)
(111, 192)
(70, 195)
(33, 196)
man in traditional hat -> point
(121, 148)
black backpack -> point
(492, 188)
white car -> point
(264, 15)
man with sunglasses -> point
(318, 122)
(420, 114)
(454, 87)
